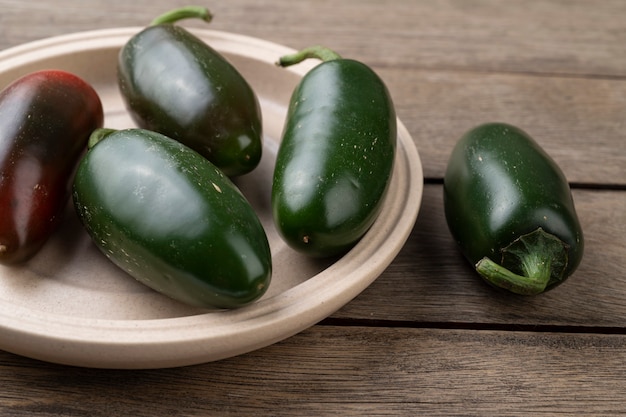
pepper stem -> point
(187, 12)
(98, 135)
(317, 52)
(529, 264)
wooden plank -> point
(579, 122)
(536, 36)
(448, 290)
(348, 371)
(577, 119)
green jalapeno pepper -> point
(510, 209)
(175, 84)
(46, 118)
(336, 157)
(171, 219)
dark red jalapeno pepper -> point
(46, 118)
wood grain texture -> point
(537, 36)
(525, 63)
(347, 371)
(577, 121)
(428, 337)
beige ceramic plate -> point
(70, 305)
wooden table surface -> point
(427, 337)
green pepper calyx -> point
(529, 264)
(317, 52)
(187, 12)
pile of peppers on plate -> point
(159, 201)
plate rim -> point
(121, 344)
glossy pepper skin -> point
(175, 84)
(171, 219)
(336, 157)
(46, 118)
(510, 209)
